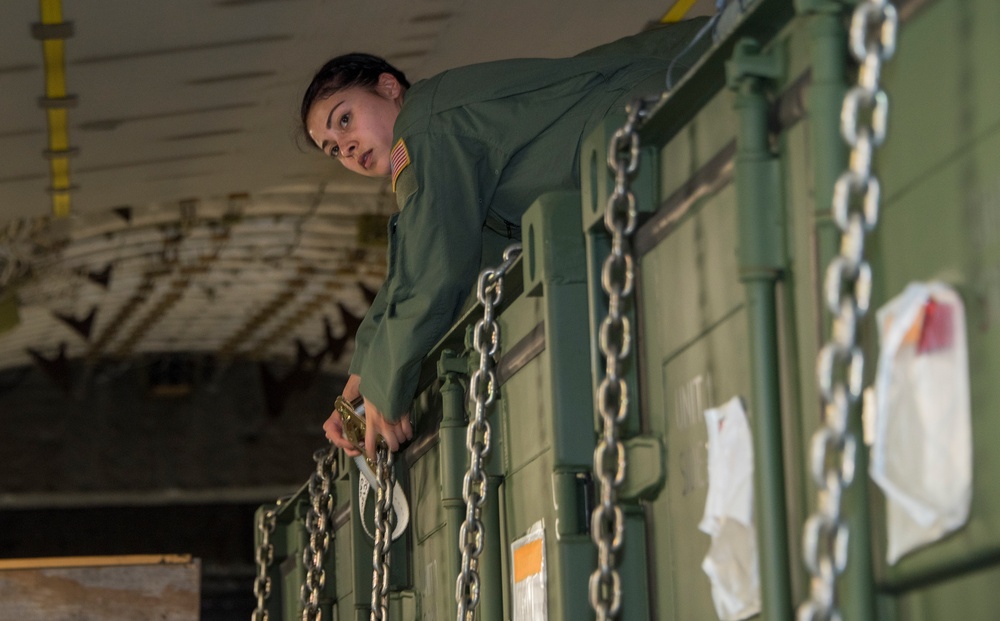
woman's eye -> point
(335, 151)
(344, 119)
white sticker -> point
(528, 575)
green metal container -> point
(735, 186)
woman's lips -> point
(366, 159)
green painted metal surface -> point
(941, 165)
(547, 407)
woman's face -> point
(354, 125)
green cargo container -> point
(735, 186)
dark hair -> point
(344, 72)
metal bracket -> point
(572, 497)
(749, 61)
(450, 362)
(58, 103)
(52, 32)
(647, 467)
(403, 605)
(51, 154)
(54, 190)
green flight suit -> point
(482, 142)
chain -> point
(847, 291)
(318, 525)
(607, 527)
(482, 392)
(384, 518)
(266, 524)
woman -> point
(467, 152)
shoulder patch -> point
(399, 159)
(406, 186)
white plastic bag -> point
(731, 563)
(921, 454)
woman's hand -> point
(334, 429)
(395, 434)
(376, 425)
(334, 426)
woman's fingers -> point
(406, 427)
(352, 389)
(334, 430)
(371, 430)
(395, 434)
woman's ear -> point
(389, 87)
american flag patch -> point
(398, 160)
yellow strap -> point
(54, 54)
(678, 11)
(51, 11)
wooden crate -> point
(104, 588)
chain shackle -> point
(264, 557)
(482, 393)
(607, 522)
(385, 517)
(847, 293)
(319, 517)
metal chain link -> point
(385, 475)
(264, 557)
(847, 292)
(318, 524)
(607, 522)
(482, 392)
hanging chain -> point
(385, 475)
(607, 522)
(482, 392)
(847, 292)
(266, 524)
(318, 524)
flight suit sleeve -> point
(435, 245)
(664, 42)
(366, 331)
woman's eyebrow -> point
(329, 117)
(329, 125)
